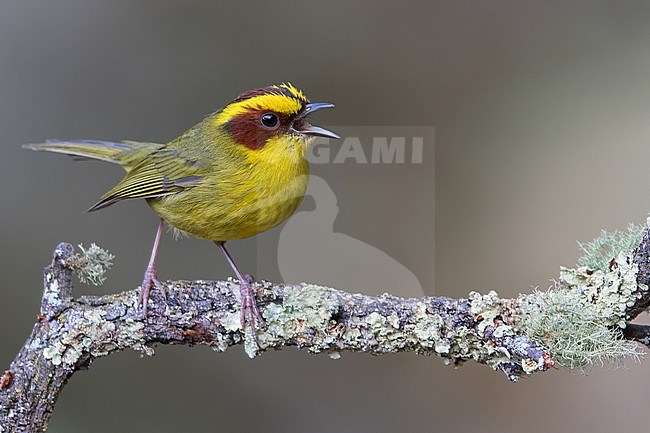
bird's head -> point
(272, 117)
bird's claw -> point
(150, 280)
(249, 312)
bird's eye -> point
(270, 120)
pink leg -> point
(150, 277)
(248, 311)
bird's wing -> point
(163, 172)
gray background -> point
(542, 136)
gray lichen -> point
(52, 293)
(91, 264)
(318, 318)
(302, 317)
(580, 320)
(88, 332)
(497, 342)
(597, 253)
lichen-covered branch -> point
(580, 321)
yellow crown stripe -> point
(297, 92)
(271, 101)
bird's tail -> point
(125, 153)
(102, 150)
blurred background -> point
(540, 112)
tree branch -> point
(640, 333)
(517, 336)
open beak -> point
(300, 124)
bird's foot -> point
(249, 312)
(150, 281)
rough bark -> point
(70, 333)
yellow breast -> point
(253, 191)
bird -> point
(240, 171)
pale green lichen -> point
(428, 330)
(353, 337)
(231, 321)
(94, 335)
(309, 307)
(219, 344)
(251, 347)
(464, 343)
(612, 292)
(598, 253)
(486, 307)
(54, 353)
(579, 320)
(305, 317)
(91, 264)
(503, 330)
(301, 319)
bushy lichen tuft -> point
(91, 264)
(579, 321)
(598, 253)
